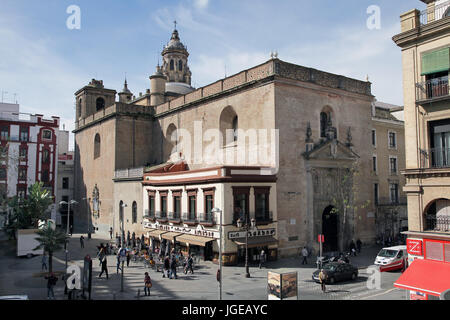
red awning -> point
(427, 276)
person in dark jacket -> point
(51, 282)
(82, 242)
(353, 248)
(104, 268)
(189, 265)
(166, 266)
(173, 267)
(128, 258)
(358, 245)
(147, 283)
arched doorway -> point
(330, 223)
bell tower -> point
(175, 60)
(93, 98)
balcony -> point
(189, 218)
(206, 219)
(435, 158)
(175, 217)
(437, 224)
(432, 90)
(265, 217)
(434, 13)
(149, 215)
(161, 216)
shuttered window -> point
(436, 61)
(434, 250)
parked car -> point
(337, 271)
(392, 258)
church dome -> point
(179, 88)
(174, 43)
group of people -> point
(170, 264)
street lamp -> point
(68, 211)
(122, 205)
(217, 210)
(246, 227)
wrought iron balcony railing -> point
(435, 13)
(189, 217)
(174, 216)
(161, 215)
(433, 89)
(440, 223)
(149, 214)
(435, 158)
(206, 218)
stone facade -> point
(285, 101)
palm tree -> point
(52, 241)
(37, 203)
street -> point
(20, 276)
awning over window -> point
(427, 276)
(170, 235)
(256, 241)
(436, 61)
(194, 240)
(155, 233)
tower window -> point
(172, 65)
(323, 124)
(79, 107)
(235, 128)
(100, 103)
(180, 65)
(97, 146)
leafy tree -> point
(27, 212)
(51, 241)
(346, 201)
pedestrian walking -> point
(82, 242)
(104, 268)
(322, 279)
(353, 248)
(358, 245)
(173, 267)
(44, 262)
(128, 258)
(262, 258)
(304, 255)
(118, 263)
(189, 265)
(101, 253)
(111, 232)
(51, 283)
(147, 283)
(166, 267)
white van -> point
(392, 258)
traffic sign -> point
(320, 238)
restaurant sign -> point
(198, 231)
(252, 233)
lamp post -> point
(68, 211)
(122, 205)
(217, 210)
(246, 227)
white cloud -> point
(201, 4)
(44, 82)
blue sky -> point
(45, 63)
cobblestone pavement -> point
(22, 276)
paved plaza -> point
(22, 276)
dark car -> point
(337, 271)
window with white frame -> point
(393, 165)
(392, 140)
